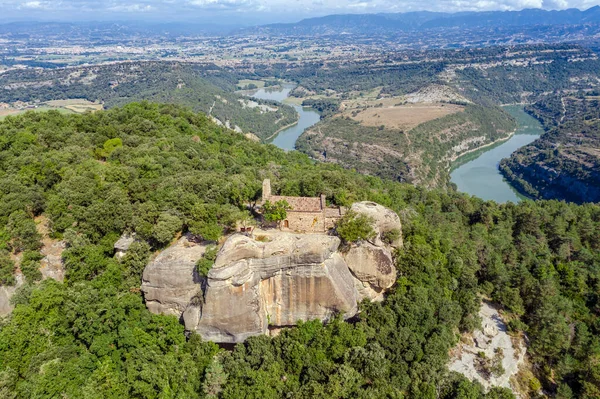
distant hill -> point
(112, 30)
(424, 20)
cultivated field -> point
(76, 105)
(69, 106)
(6, 112)
(245, 82)
(404, 117)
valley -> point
(377, 205)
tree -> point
(23, 232)
(108, 147)
(30, 265)
(165, 228)
(214, 380)
(207, 261)
(276, 212)
(353, 227)
(7, 269)
(135, 260)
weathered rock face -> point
(385, 221)
(122, 245)
(170, 280)
(496, 344)
(256, 284)
(373, 268)
(51, 265)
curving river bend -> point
(286, 139)
(476, 173)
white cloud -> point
(132, 8)
(261, 9)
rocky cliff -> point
(255, 284)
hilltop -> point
(161, 171)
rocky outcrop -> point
(373, 269)
(122, 245)
(6, 294)
(170, 280)
(256, 284)
(51, 265)
(477, 354)
(259, 285)
(385, 221)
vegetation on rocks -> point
(93, 337)
(353, 227)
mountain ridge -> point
(425, 20)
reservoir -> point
(477, 173)
(286, 139)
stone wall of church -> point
(304, 221)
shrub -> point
(207, 261)
(390, 236)
(7, 269)
(354, 227)
(166, 227)
(30, 265)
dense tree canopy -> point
(174, 171)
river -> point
(477, 173)
(286, 139)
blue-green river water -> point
(286, 139)
(478, 174)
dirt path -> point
(564, 109)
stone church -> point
(307, 214)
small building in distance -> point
(306, 214)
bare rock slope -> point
(255, 285)
(491, 356)
(170, 280)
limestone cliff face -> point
(256, 284)
(170, 280)
(274, 282)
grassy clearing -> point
(76, 105)
(245, 82)
(404, 117)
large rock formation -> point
(385, 221)
(170, 280)
(373, 269)
(255, 285)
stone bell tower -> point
(266, 190)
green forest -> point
(205, 88)
(161, 169)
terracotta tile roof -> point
(300, 204)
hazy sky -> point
(248, 11)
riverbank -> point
(282, 129)
(285, 137)
(452, 161)
(480, 176)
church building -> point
(307, 214)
